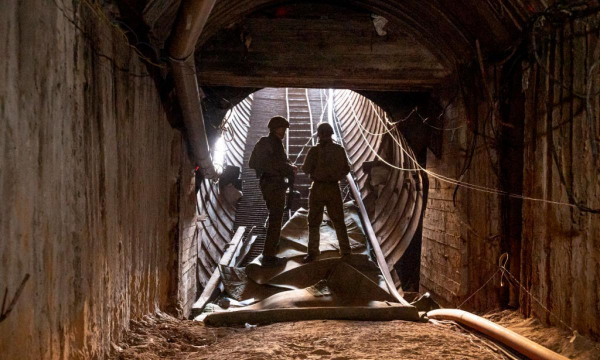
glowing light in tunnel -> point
(220, 149)
(219, 154)
(330, 118)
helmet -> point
(277, 122)
(324, 130)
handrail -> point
(287, 134)
(371, 237)
(312, 126)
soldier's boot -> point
(342, 235)
(314, 238)
(273, 261)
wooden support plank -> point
(233, 247)
(279, 78)
(211, 290)
(343, 51)
(245, 249)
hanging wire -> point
(77, 24)
(441, 177)
(97, 9)
(310, 139)
(556, 15)
(425, 121)
(512, 280)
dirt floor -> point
(164, 337)
(566, 343)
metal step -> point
(251, 210)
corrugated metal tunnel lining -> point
(393, 197)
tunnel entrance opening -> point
(384, 167)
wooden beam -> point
(375, 83)
(232, 248)
(211, 290)
(342, 51)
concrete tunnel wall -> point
(97, 205)
(95, 186)
(554, 250)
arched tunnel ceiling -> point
(439, 32)
(316, 46)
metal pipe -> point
(371, 237)
(186, 87)
(287, 134)
(509, 338)
(191, 18)
(374, 243)
(190, 21)
(312, 126)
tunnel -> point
(471, 129)
(393, 200)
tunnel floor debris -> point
(164, 337)
(327, 288)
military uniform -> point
(272, 166)
(326, 164)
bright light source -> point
(219, 154)
(330, 118)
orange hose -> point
(507, 337)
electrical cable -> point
(450, 180)
(424, 120)
(588, 109)
(304, 147)
(97, 9)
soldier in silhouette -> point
(273, 167)
(326, 164)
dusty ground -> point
(566, 343)
(164, 337)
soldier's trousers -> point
(326, 195)
(273, 191)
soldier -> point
(326, 164)
(273, 167)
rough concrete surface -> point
(89, 168)
(554, 252)
(563, 242)
(460, 248)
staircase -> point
(251, 210)
(304, 114)
(295, 105)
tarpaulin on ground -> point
(351, 287)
